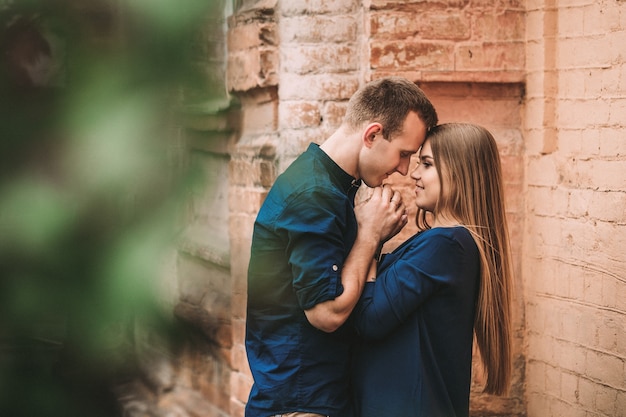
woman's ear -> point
(370, 133)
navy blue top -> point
(302, 235)
(416, 320)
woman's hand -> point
(383, 214)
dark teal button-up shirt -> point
(302, 235)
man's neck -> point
(343, 148)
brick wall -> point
(294, 65)
(201, 363)
(547, 79)
(457, 40)
(253, 79)
(473, 71)
(497, 107)
(575, 233)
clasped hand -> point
(383, 214)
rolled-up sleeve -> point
(318, 224)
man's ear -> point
(370, 132)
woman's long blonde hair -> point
(467, 160)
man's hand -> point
(379, 218)
(383, 215)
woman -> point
(447, 283)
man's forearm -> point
(330, 315)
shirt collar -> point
(346, 181)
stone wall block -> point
(507, 26)
(611, 143)
(213, 389)
(454, 25)
(252, 35)
(334, 112)
(423, 55)
(608, 206)
(251, 69)
(319, 58)
(580, 113)
(512, 169)
(249, 199)
(268, 173)
(218, 332)
(318, 86)
(334, 7)
(239, 303)
(489, 56)
(510, 141)
(605, 367)
(259, 120)
(241, 172)
(202, 278)
(253, 57)
(393, 24)
(238, 353)
(542, 171)
(297, 140)
(318, 29)
(240, 387)
(393, 4)
(237, 408)
(298, 114)
(242, 225)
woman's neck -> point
(445, 221)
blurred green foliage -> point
(91, 186)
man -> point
(309, 260)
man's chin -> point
(373, 184)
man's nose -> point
(403, 168)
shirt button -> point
(335, 268)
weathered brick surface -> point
(315, 58)
(323, 87)
(495, 106)
(322, 7)
(462, 41)
(547, 78)
(252, 53)
(391, 54)
(299, 114)
(573, 267)
(316, 29)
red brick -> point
(334, 112)
(316, 58)
(318, 29)
(489, 56)
(252, 35)
(446, 25)
(318, 86)
(298, 114)
(422, 55)
(300, 7)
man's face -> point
(384, 157)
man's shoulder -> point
(307, 173)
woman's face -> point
(427, 184)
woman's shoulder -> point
(452, 235)
(446, 232)
(436, 239)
